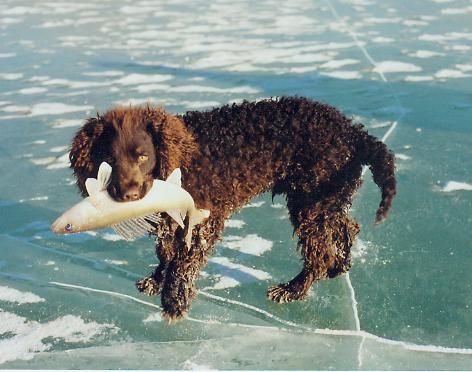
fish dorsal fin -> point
(136, 227)
(92, 186)
(104, 175)
(175, 177)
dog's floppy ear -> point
(83, 148)
(175, 145)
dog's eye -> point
(142, 158)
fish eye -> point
(68, 227)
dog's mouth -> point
(131, 193)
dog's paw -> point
(176, 299)
(284, 293)
(172, 317)
(149, 286)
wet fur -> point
(305, 150)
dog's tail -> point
(381, 162)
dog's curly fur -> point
(306, 150)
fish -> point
(133, 218)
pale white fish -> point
(134, 218)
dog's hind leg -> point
(325, 236)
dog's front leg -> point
(179, 288)
(165, 252)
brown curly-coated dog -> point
(306, 150)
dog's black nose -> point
(131, 194)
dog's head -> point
(140, 143)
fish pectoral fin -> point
(135, 227)
(104, 175)
(92, 186)
(175, 177)
(177, 216)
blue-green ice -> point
(403, 68)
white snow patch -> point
(454, 11)
(402, 156)
(250, 244)
(383, 39)
(224, 282)
(307, 58)
(302, 70)
(56, 108)
(156, 317)
(380, 20)
(109, 73)
(43, 161)
(415, 23)
(59, 148)
(450, 74)
(200, 104)
(60, 162)
(15, 108)
(460, 48)
(344, 75)
(112, 237)
(449, 36)
(36, 198)
(20, 10)
(425, 54)
(457, 186)
(12, 295)
(74, 84)
(39, 78)
(146, 88)
(255, 204)
(339, 63)
(66, 123)
(10, 20)
(465, 68)
(10, 76)
(34, 90)
(418, 78)
(29, 335)
(207, 89)
(134, 79)
(224, 261)
(134, 101)
(395, 66)
(116, 262)
(235, 224)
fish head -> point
(76, 219)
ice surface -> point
(404, 71)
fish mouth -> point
(56, 227)
(61, 227)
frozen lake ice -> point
(404, 69)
